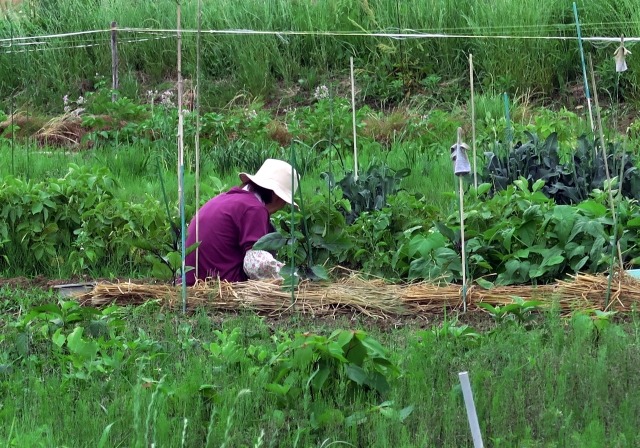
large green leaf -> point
(270, 242)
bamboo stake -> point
(197, 137)
(473, 123)
(181, 164)
(462, 245)
(353, 107)
(606, 165)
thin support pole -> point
(29, 138)
(353, 108)
(473, 123)
(114, 61)
(291, 227)
(472, 415)
(584, 68)
(462, 244)
(509, 133)
(197, 137)
(181, 166)
(12, 107)
(507, 119)
(612, 204)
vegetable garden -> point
(529, 286)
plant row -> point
(516, 235)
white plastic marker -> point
(353, 107)
(471, 410)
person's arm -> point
(260, 265)
(257, 264)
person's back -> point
(229, 226)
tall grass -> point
(254, 64)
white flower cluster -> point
(321, 92)
(151, 96)
(166, 99)
(68, 103)
(250, 114)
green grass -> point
(562, 383)
(387, 69)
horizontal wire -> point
(84, 45)
(398, 35)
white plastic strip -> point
(471, 410)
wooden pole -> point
(473, 124)
(114, 60)
(353, 107)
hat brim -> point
(285, 196)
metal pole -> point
(473, 124)
(197, 138)
(353, 107)
(181, 166)
(114, 61)
(584, 68)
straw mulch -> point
(373, 298)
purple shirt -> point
(230, 224)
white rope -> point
(104, 42)
(404, 35)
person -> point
(232, 222)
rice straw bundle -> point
(372, 298)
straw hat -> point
(275, 175)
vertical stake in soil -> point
(460, 168)
(291, 226)
(473, 124)
(509, 133)
(12, 107)
(616, 242)
(472, 415)
(181, 165)
(197, 137)
(353, 108)
(584, 68)
(114, 61)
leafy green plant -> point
(318, 237)
(566, 182)
(314, 364)
(450, 329)
(520, 311)
(370, 190)
(85, 340)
